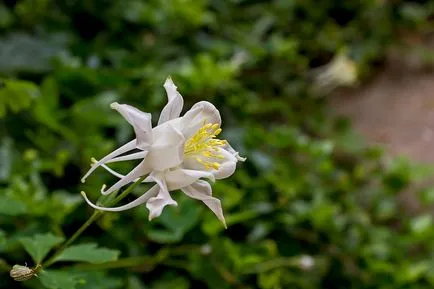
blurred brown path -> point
(394, 109)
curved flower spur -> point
(181, 152)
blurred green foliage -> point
(313, 207)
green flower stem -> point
(132, 262)
(96, 214)
(272, 264)
(92, 219)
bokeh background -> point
(314, 206)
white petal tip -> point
(103, 189)
(114, 105)
(83, 194)
(83, 180)
(169, 82)
(240, 158)
(93, 161)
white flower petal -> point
(174, 104)
(228, 164)
(201, 190)
(180, 178)
(230, 149)
(137, 202)
(225, 170)
(133, 156)
(139, 171)
(113, 172)
(141, 122)
(194, 119)
(120, 176)
(156, 204)
(123, 149)
(168, 148)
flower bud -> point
(23, 273)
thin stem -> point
(127, 191)
(272, 264)
(96, 214)
(122, 263)
(83, 227)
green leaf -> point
(177, 222)
(171, 281)
(58, 279)
(16, 95)
(88, 253)
(4, 267)
(40, 245)
(6, 157)
(11, 207)
(49, 93)
(45, 109)
(92, 280)
(2, 240)
(422, 224)
(25, 52)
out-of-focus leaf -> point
(92, 280)
(45, 108)
(97, 110)
(135, 283)
(6, 158)
(88, 253)
(171, 281)
(11, 207)
(6, 16)
(58, 279)
(16, 95)
(422, 224)
(23, 52)
(270, 279)
(40, 245)
(2, 240)
(177, 222)
(4, 266)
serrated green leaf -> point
(58, 279)
(11, 207)
(40, 245)
(88, 253)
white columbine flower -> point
(179, 153)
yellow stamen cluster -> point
(204, 146)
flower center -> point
(205, 147)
